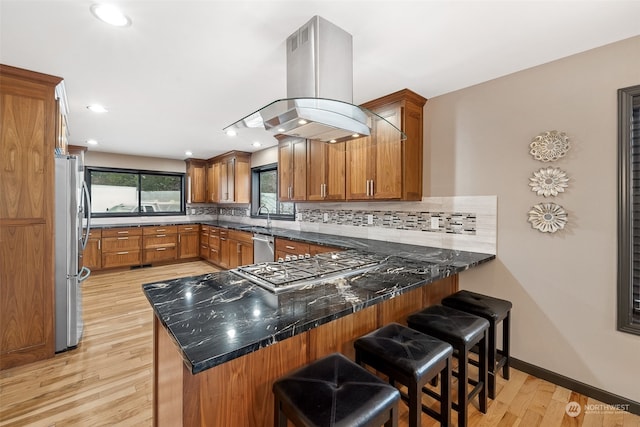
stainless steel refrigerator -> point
(71, 203)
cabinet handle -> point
(123, 232)
(222, 238)
(372, 192)
(290, 247)
(367, 188)
(161, 235)
(160, 230)
(123, 238)
(188, 228)
(178, 238)
(99, 244)
(122, 253)
(161, 249)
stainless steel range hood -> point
(319, 91)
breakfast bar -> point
(220, 340)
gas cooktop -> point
(305, 270)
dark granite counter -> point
(218, 317)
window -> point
(629, 210)
(124, 192)
(264, 192)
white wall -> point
(563, 286)
(113, 160)
(264, 157)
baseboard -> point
(577, 386)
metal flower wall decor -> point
(547, 217)
(549, 182)
(549, 146)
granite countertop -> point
(218, 317)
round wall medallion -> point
(547, 217)
(549, 146)
(549, 182)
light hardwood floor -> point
(106, 381)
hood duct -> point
(319, 91)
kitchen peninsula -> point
(220, 341)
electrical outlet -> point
(325, 217)
(298, 217)
(369, 219)
(435, 223)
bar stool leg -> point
(463, 378)
(415, 405)
(483, 372)
(492, 360)
(393, 419)
(280, 420)
(506, 330)
(445, 395)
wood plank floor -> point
(106, 381)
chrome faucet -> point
(268, 215)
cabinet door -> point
(242, 182)
(213, 186)
(92, 254)
(224, 251)
(316, 169)
(245, 253)
(359, 159)
(197, 177)
(292, 169)
(223, 181)
(188, 245)
(387, 180)
(335, 188)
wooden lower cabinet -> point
(319, 249)
(121, 247)
(224, 253)
(92, 254)
(184, 399)
(286, 247)
(188, 241)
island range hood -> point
(319, 91)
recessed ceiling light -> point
(188, 153)
(257, 144)
(280, 129)
(333, 141)
(97, 108)
(231, 132)
(92, 142)
(110, 14)
(302, 122)
(355, 135)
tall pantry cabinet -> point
(29, 122)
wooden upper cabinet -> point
(196, 181)
(382, 166)
(28, 135)
(292, 169)
(325, 171)
(234, 177)
(213, 179)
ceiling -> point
(184, 70)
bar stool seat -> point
(413, 359)
(334, 392)
(463, 331)
(495, 310)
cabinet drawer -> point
(205, 228)
(169, 229)
(204, 251)
(214, 255)
(121, 258)
(122, 243)
(214, 241)
(93, 234)
(291, 247)
(189, 228)
(319, 249)
(160, 240)
(159, 254)
(214, 231)
(241, 236)
(119, 232)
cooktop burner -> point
(305, 270)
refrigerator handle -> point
(85, 191)
(83, 274)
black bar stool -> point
(334, 392)
(413, 359)
(495, 310)
(463, 331)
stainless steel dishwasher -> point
(263, 249)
